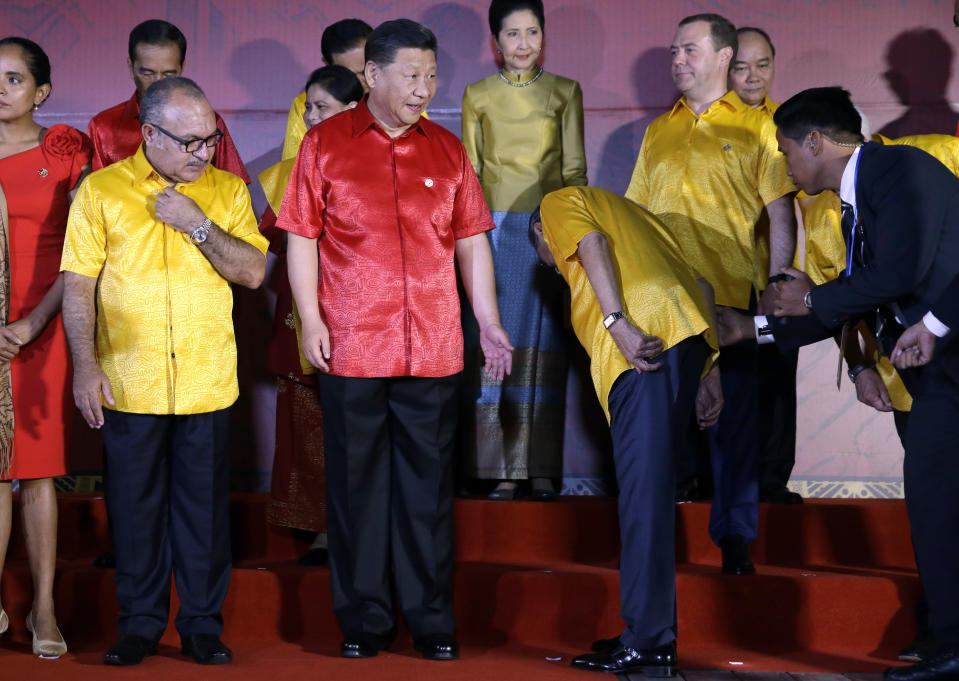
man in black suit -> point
(901, 225)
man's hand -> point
(497, 350)
(636, 346)
(10, 343)
(315, 341)
(789, 298)
(915, 347)
(709, 399)
(732, 326)
(89, 382)
(767, 300)
(178, 210)
(871, 391)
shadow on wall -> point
(919, 65)
(269, 73)
(653, 86)
(460, 33)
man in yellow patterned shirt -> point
(153, 243)
(646, 323)
(707, 169)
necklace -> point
(526, 84)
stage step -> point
(835, 590)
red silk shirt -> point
(116, 135)
(387, 213)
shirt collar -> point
(132, 108)
(363, 120)
(143, 170)
(847, 186)
(730, 101)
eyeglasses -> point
(192, 146)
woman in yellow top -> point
(523, 131)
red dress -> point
(37, 183)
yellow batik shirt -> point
(659, 291)
(164, 331)
(708, 178)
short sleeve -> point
(295, 127)
(243, 222)
(471, 215)
(638, 190)
(301, 211)
(566, 220)
(84, 247)
(773, 182)
(69, 147)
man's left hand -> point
(732, 326)
(178, 210)
(871, 391)
(915, 347)
(497, 350)
(789, 298)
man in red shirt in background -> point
(157, 49)
(381, 207)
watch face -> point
(199, 236)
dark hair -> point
(391, 36)
(826, 109)
(500, 9)
(761, 33)
(155, 99)
(721, 31)
(534, 218)
(156, 32)
(342, 36)
(36, 58)
(339, 81)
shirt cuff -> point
(760, 322)
(934, 325)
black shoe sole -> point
(357, 655)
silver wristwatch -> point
(807, 300)
(611, 318)
(201, 233)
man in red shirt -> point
(395, 205)
(157, 50)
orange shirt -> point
(116, 135)
(387, 213)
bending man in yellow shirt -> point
(646, 323)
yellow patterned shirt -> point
(164, 332)
(659, 290)
(708, 178)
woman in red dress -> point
(297, 490)
(39, 168)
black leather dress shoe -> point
(129, 650)
(779, 495)
(658, 662)
(736, 560)
(604, 645)
(364, 645)
(944, 666)
(441, 647)
(207, 649)
(922, 648)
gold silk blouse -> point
(524, 142)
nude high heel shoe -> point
(47, 650)
(4, 622)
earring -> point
(36, 107)
(499, 51)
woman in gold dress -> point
(523, 131)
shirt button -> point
(428, 182)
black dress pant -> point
(931, 481)
(168, 499)
(777, 415)
(649, 413)
(388, 445)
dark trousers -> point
(931, 482)
(389, 492)
(733, 447)
(168, 499)
(777, 415)
(648, 415)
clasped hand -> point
(178, 210)
(788, 298)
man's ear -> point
(372, 71)
(814, 141)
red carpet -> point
(835, 592)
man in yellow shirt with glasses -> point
(153, 243)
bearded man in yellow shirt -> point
(707, 169)
(152, 245)
(647, 324)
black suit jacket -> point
(908, 209)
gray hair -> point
(154, 100)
